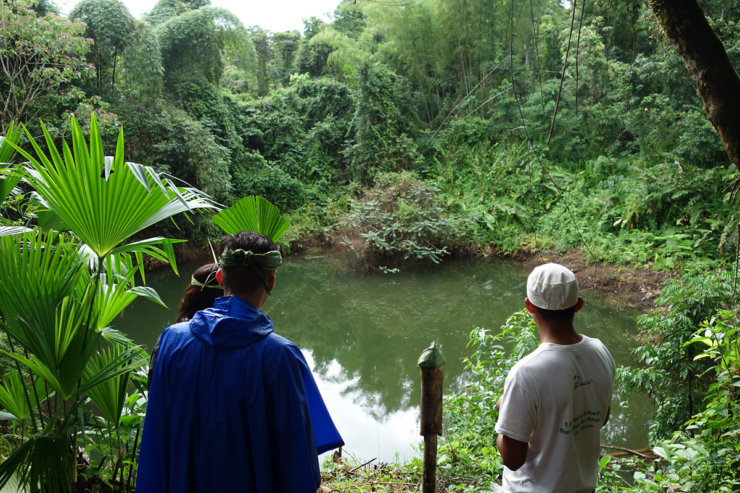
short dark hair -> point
(196, 298)
(566, 314)
(243, 278)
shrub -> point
(398, 221)
(672, 374)
(467, 451)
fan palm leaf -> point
(50, 305)
(103, 201)
(252, 213)
(110, 396)
(13, 136)
(13, 397)
(114, 295)
(38, 271)
(43, 459)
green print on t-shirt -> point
(586, 419)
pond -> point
(363, 333)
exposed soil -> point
(619, 284)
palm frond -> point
(9, 178)
(128, 360)
(12, 136)
(38, 272)
(159, 248)
(114, 336)
(103, 201)
(252, 213)
(114, 296)
(43, 459)
(109, 396)
(13, 397)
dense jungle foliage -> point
(401, 131)
(541, 127)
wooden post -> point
(431, 362)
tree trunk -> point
(717, 82)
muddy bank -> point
(621, 285)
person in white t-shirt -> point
(557, 398)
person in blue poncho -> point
(232, 405)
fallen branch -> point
(629, 451)
(361, 465)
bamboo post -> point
(431, 362)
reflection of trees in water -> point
(628, 426)
(376, 326)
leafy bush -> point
(302, 128)
(672, 374)
(396, 222)
(705, 454)
(467, 451)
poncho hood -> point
(230, 323)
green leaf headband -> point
(261, 262)
(211, 282)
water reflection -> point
(364, 333)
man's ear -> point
(270, 281)
(579, 305)
(529, 306)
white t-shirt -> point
(557, 398)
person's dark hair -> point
(566, 314)
(243, 278)
(197, 297)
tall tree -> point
(167, 9)
(704, 56)
(141, 64)
(262, 48)
(110, 25)
(193, 43)
(39, 56)
(285, 47)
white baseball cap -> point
(552, 287)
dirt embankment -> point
(620, 284)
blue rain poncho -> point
(232, 407)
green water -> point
(362, 335)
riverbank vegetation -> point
(402, 133)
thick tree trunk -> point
(716, 80)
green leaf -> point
(114, 336)
(252, 213)
(38, 272)
(12, 136)
(103, 212)
(660, 451)
(13, 392)
(109, 396)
